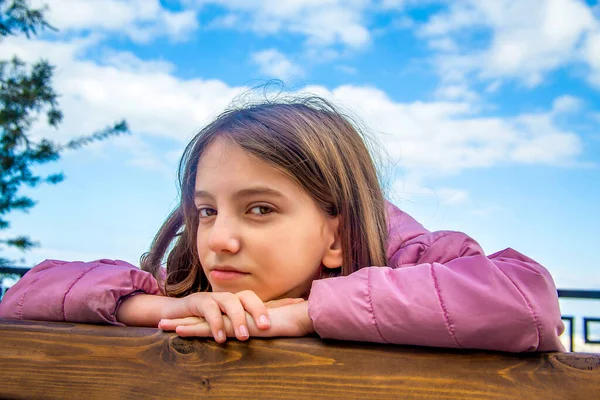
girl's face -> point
(258, 230)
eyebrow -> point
(253, 191)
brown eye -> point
(207, 212)
(261, 210)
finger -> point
(283, 302)
(214, 317)
(171, 324)
(203, 329)
(255, 307)
(232, 306)
(198, 330)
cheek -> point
(302, 246)
(267, 246)
(201, 243)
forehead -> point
(224, 164)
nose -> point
(224, 235)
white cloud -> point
(141, 20)
(423, 201)
(126, 61)
(457, 92)
(228, 21)
(528, 38)
(566, 104)
(493, 87)
(386, 4)
(321, 22)
(347, 69)
(145, 93)
(549, 148)
(276, 65)
(429, 139)
(58, 52)
(591, 50)
(591, 54)
(445, 44)
(453, 196)
(443, 137)
(145, 156)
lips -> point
(226, 272)
(227, 268)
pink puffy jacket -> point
(439, 289)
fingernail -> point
(243, 331)
(220, 336)
(263, 320)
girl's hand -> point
(289, 317)
(290, 320)
(212, 307)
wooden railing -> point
(75, 361)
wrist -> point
(291, 320)
(144, 309)
(304, 319)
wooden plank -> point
(63, 360)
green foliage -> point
(17, 15)
(26, 93)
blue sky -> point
(488, 111)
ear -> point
(333, 256)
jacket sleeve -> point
(440, 290)
(86, 292)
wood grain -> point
(62, 360)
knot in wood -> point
(183, 346)
(205, 383)
(580, 361)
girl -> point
(282, 230)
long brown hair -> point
(314, 144)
